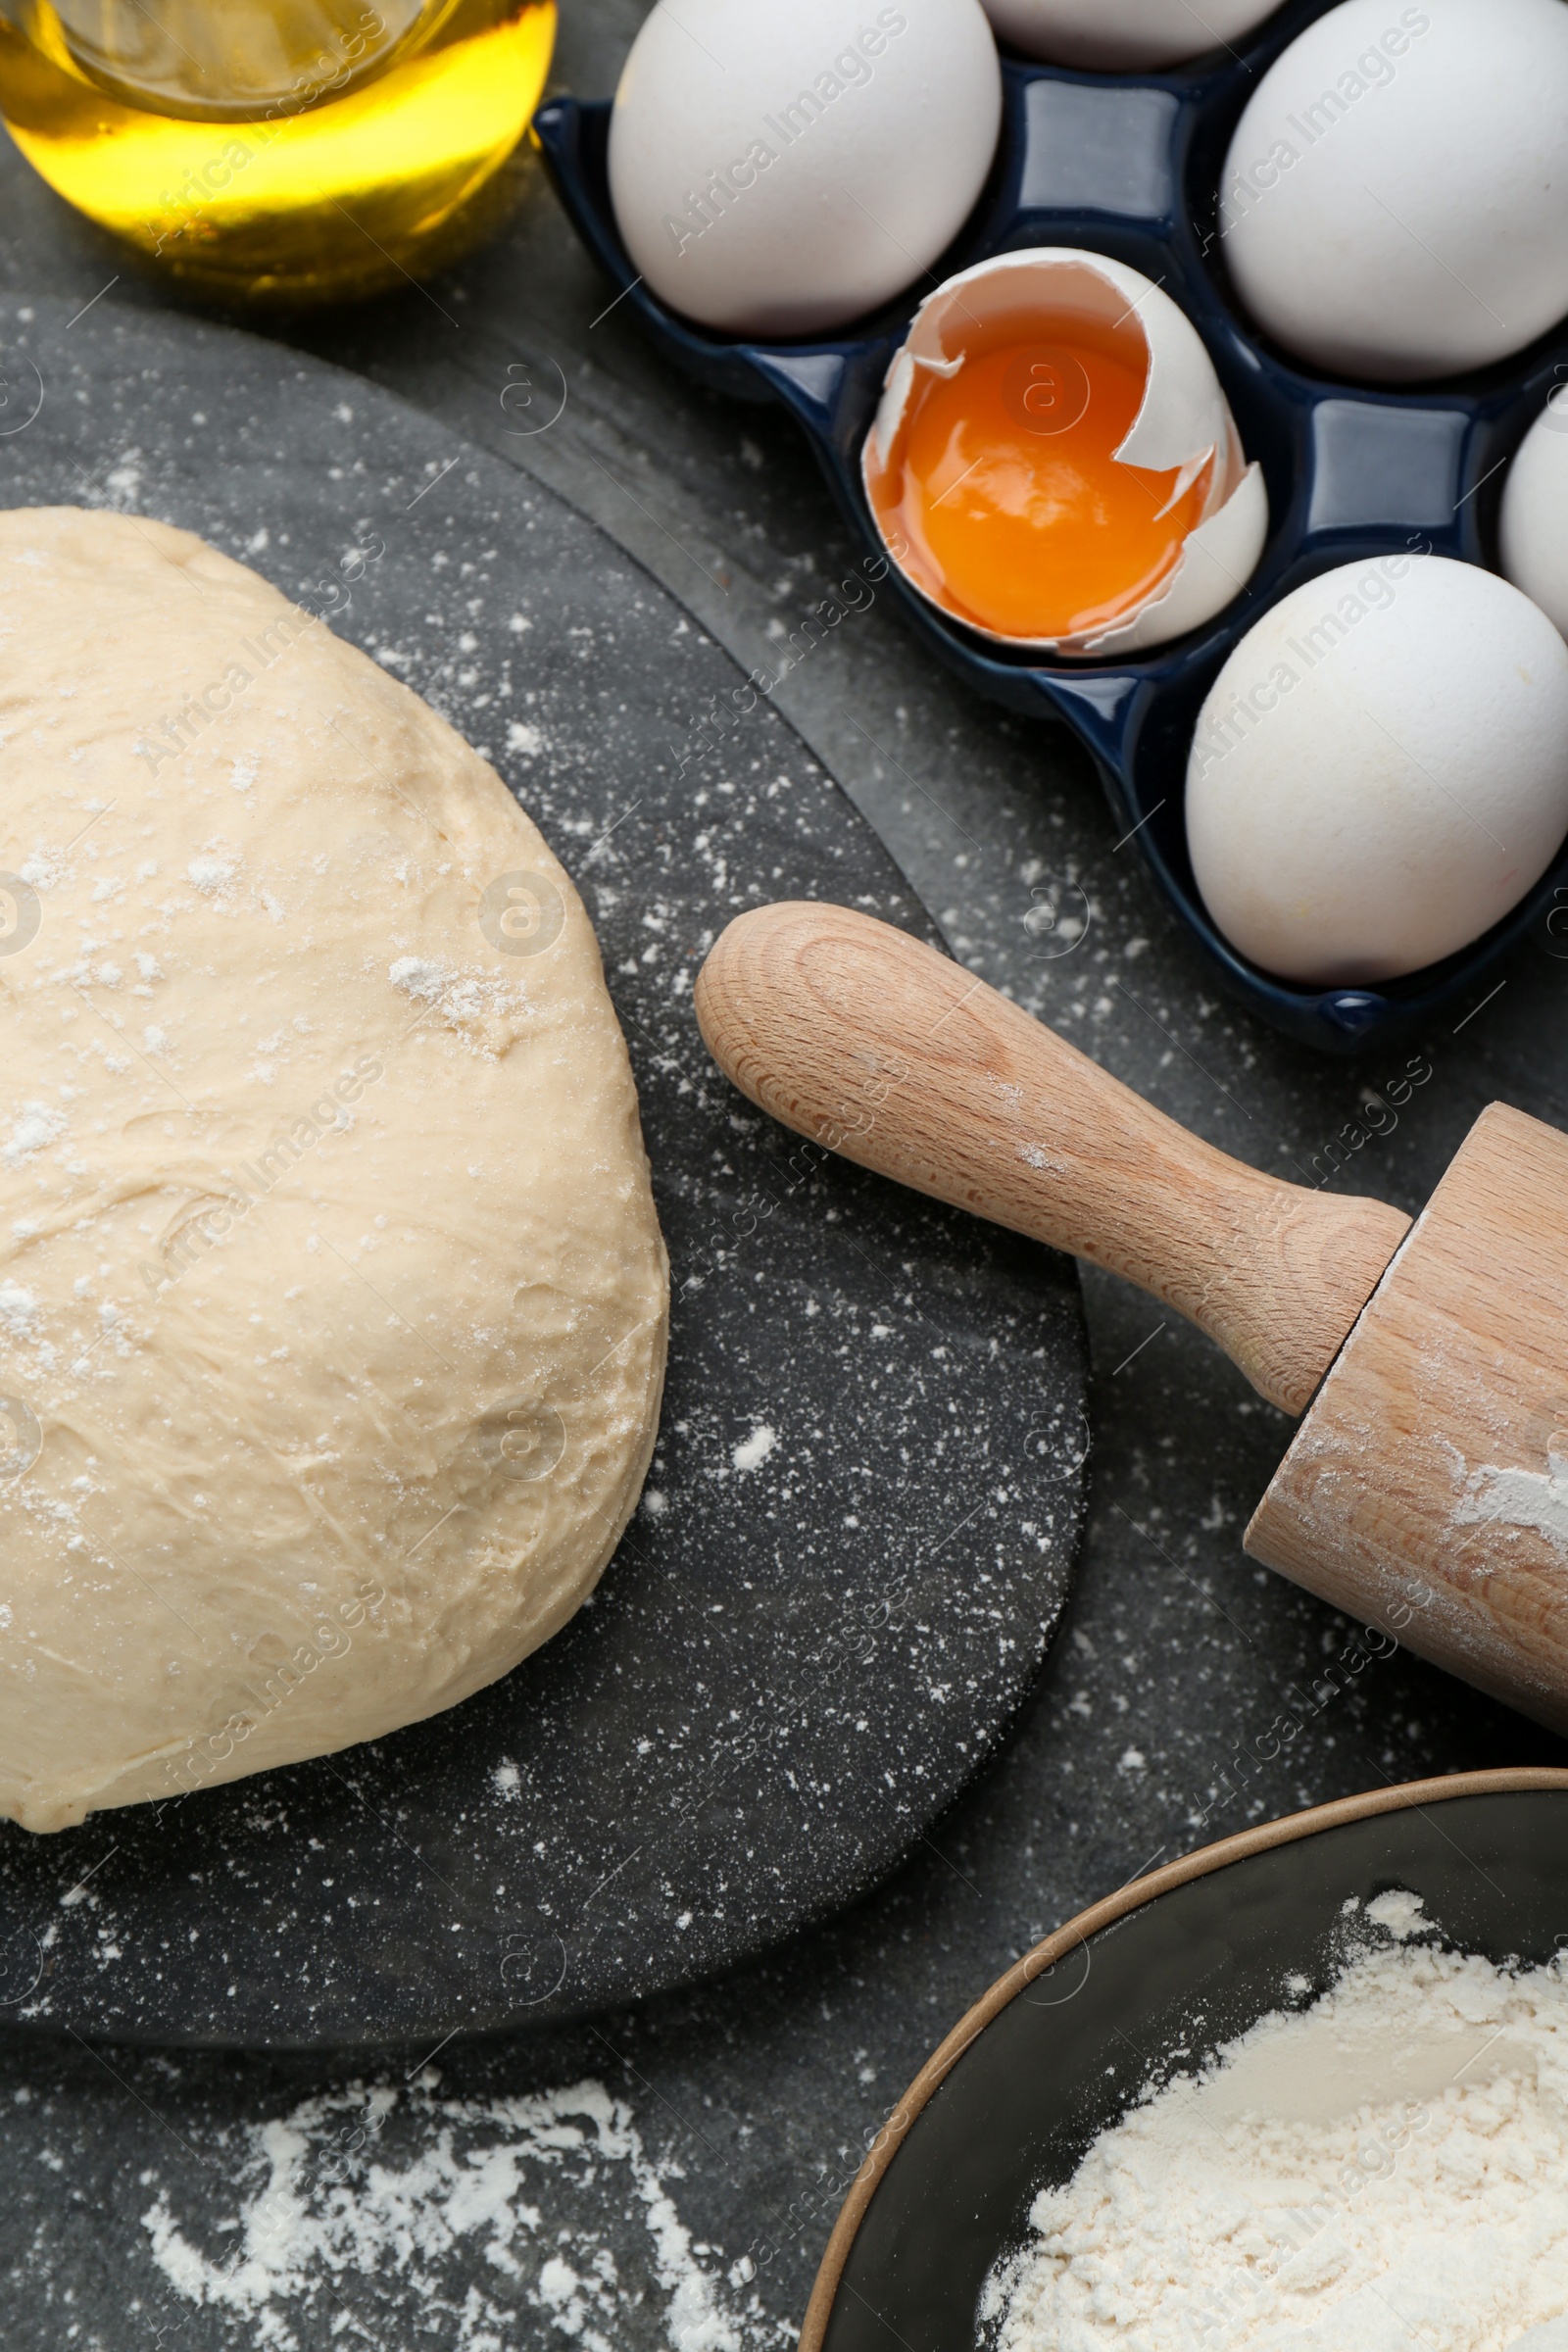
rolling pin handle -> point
(880, 1048)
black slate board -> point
(802, 1650)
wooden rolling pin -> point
(1427, 1488)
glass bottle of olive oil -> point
(276, 150)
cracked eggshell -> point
(779, 168)
(1184, 420)
(1123, 36)
(1379, 772)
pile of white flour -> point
(1386, 2171)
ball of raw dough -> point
(1394, 203)
(1533, 528)
(333, 1300)
(1123, 36)
(1379, 772)
(781, 167)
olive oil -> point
(276, 150)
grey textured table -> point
(668, 2176)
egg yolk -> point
(1005, 480)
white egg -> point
(1126, 36)
(1395, 204)
(782, 167)
(1534, 524)
(1379, 772)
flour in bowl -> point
(1386, 2171)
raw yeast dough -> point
(333, 1300)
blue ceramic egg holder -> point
(1129, 165)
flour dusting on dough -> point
(487, 1014)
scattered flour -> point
(211, 871)
(40, 1124)
(19, 1312)
(1384, 2171)
(474, 2201)
(1398, 1914)
(753, 1451)
(485, 1012)
(1532, 1499)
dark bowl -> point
(1129, 165)
(1191, 1955)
